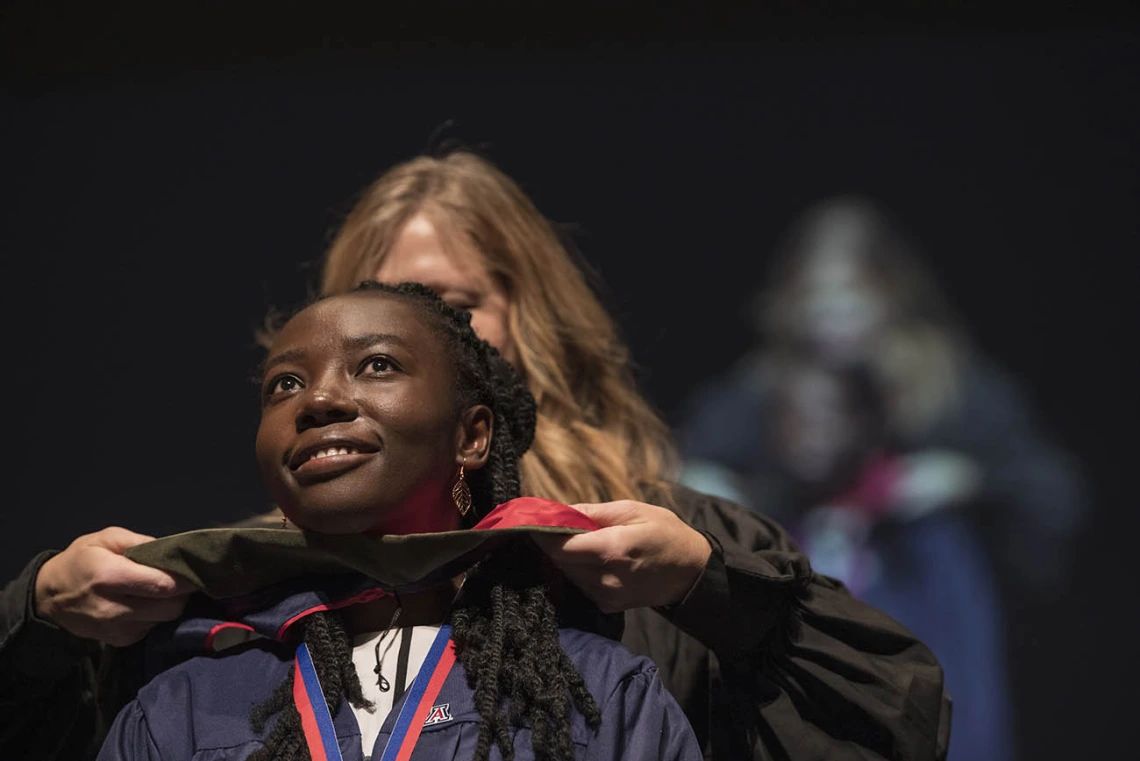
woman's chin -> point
(406, 516)
(332, 520)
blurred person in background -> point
(898, 537)
(848, 291)
(907, 464)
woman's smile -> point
(332, 455)
(329, 464)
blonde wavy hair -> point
(597, 438)
(921, 351)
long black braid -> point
(504, 625)
(331, 650)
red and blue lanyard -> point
(317, 723)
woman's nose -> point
(326, 405)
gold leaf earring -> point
(461, 492)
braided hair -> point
(504, 625)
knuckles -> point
(103, 578)
(110, 536)
(104, 612)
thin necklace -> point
(381, 681)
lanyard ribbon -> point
(317, 723)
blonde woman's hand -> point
(642, 556)
(92, 591)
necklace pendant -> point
(381, 682)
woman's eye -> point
(379, 365)
(286, 384)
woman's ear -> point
(476, 428)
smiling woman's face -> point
(360, 430)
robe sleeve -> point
(129, 738)
(808, 672)
(47, 679)
(641, 721)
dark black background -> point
(168, 177)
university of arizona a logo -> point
(438, 714)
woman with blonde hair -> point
(767, 659)
(464, 228)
